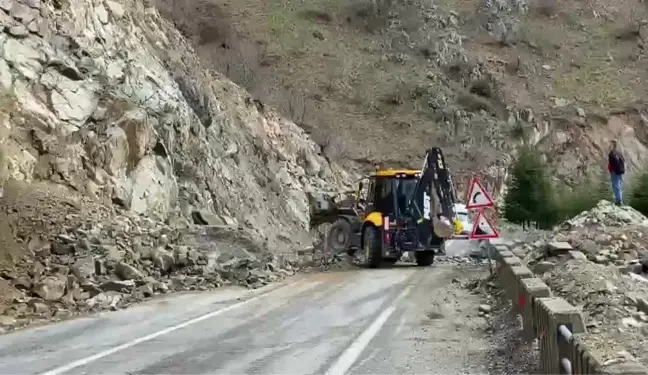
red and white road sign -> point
(477, 196)
(483, 229)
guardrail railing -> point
(566, 335)
(553, 321)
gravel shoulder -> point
(509, 352)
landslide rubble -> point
(89, 264)
(607, 243)
(128, 170)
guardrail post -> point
(501, 254)
(519, 273)
(532, 289)
(552, 313)
(505, 275)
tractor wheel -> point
(338, 237)
(372, 247)
(424, 258)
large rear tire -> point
(338, 237)
(424, 258)
(372, 247)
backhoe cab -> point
(397, 211)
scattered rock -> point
(542, 267)
(124, 286)
(163, 260)
(580, 112)
(127, 272)
(7, 321)
(51, 288)
(486, 309)
(144, 291)
(84, 267)
(8, 292)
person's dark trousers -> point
(617, 187)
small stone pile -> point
(606, 214)
(607, 234)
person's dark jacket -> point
(616, 162)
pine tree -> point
(547, 213)
(529, 189)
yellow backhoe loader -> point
(396, 211)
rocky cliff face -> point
(128, 169)
(107, 98)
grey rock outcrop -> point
(109, 99)
(135, 171)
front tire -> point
(338, 237)
(372, 247)
(424, 258)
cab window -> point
(384, 195)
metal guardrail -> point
(567, 335)
(553, 321)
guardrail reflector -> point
(522, 301)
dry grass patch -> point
(596, 82)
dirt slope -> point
(381, 80)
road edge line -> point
(89, 359)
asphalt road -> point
(404, 319)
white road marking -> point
(105, 353)
(401, 324)
(352, 353)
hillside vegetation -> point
(381, 80)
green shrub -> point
(533, 199)
(530, 197)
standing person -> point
(616, 167)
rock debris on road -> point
(405, 320)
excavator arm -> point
(433, 197)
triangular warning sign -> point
(482, 228)
(477, 196)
